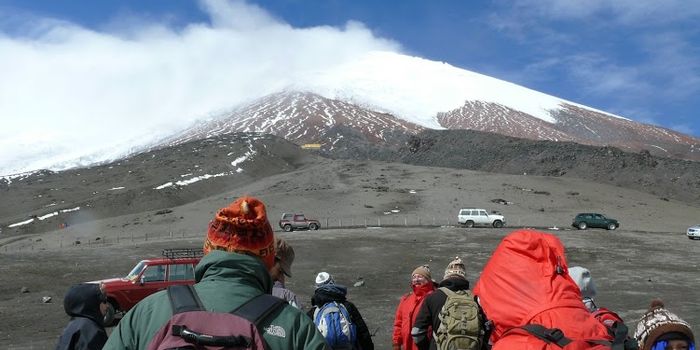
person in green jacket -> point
(239, 252)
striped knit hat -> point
(242, 227)
(659, 322)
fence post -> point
(327, 222)
(352, 221)
(419, 221)
(405, 221)
(379, 222)
(340, 222)
(365, 222)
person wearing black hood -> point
(327, 291)
(86, 305)
(455, 279)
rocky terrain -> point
(383, 210)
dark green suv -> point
(585, 220)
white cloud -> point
(67, 91)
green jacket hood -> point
(245, 269)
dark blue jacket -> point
(85, 329)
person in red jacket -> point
(421, 284)
(525, 285)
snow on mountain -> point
(416, 89)
(383, 92)
(299, 117)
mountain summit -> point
(384, 93)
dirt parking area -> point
(629, 268)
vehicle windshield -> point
(136, 271)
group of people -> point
(527, 297)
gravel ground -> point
(629, 267)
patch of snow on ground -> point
(69, 210)
(116, 188)
(21, 223)
(199, 178)
(167, 184)
(44, 217)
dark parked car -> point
(585, 220)
(290, 222)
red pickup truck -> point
(147, 277)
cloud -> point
(67, 91)
(628, 12)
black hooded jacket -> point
(427, 318)
(337, 293)
(85, 329)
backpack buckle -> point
(554, 334)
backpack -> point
(607, 317)
(461, 322)
(333, 320)
(557, 337)
(193, 327)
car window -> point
(179, 272)
(287, 216)
(154, 273)
(599, 217)
(483, 213)
(588, 217)
(136, 271)
(464, 212)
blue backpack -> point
(333, 320)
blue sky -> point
(637, 59)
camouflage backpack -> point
(461, 322)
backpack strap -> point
(183, 298)
(258, 308)
(549, 335)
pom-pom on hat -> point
(242, 227)
(324, 278)
(423, 270)
(659, 322)
(455, 269)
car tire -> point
(287, 228)
(582, 225)
(313, 227)
(498, 224)
(469, 224)
(108, 319)
(612, 227)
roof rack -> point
(174, 253)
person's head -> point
(86, 300)
(455, 269)
(421, 276)
(284, 258)
(324, 278)
(242, 227)
(660, 329)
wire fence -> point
(77, 241)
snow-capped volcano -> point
(386, 92)
(383, 93)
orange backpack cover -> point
(526, 281)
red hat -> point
(242, 227)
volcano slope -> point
(648, 257)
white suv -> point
(471, 217)
(693, 232)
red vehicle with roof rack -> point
(147, 277)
